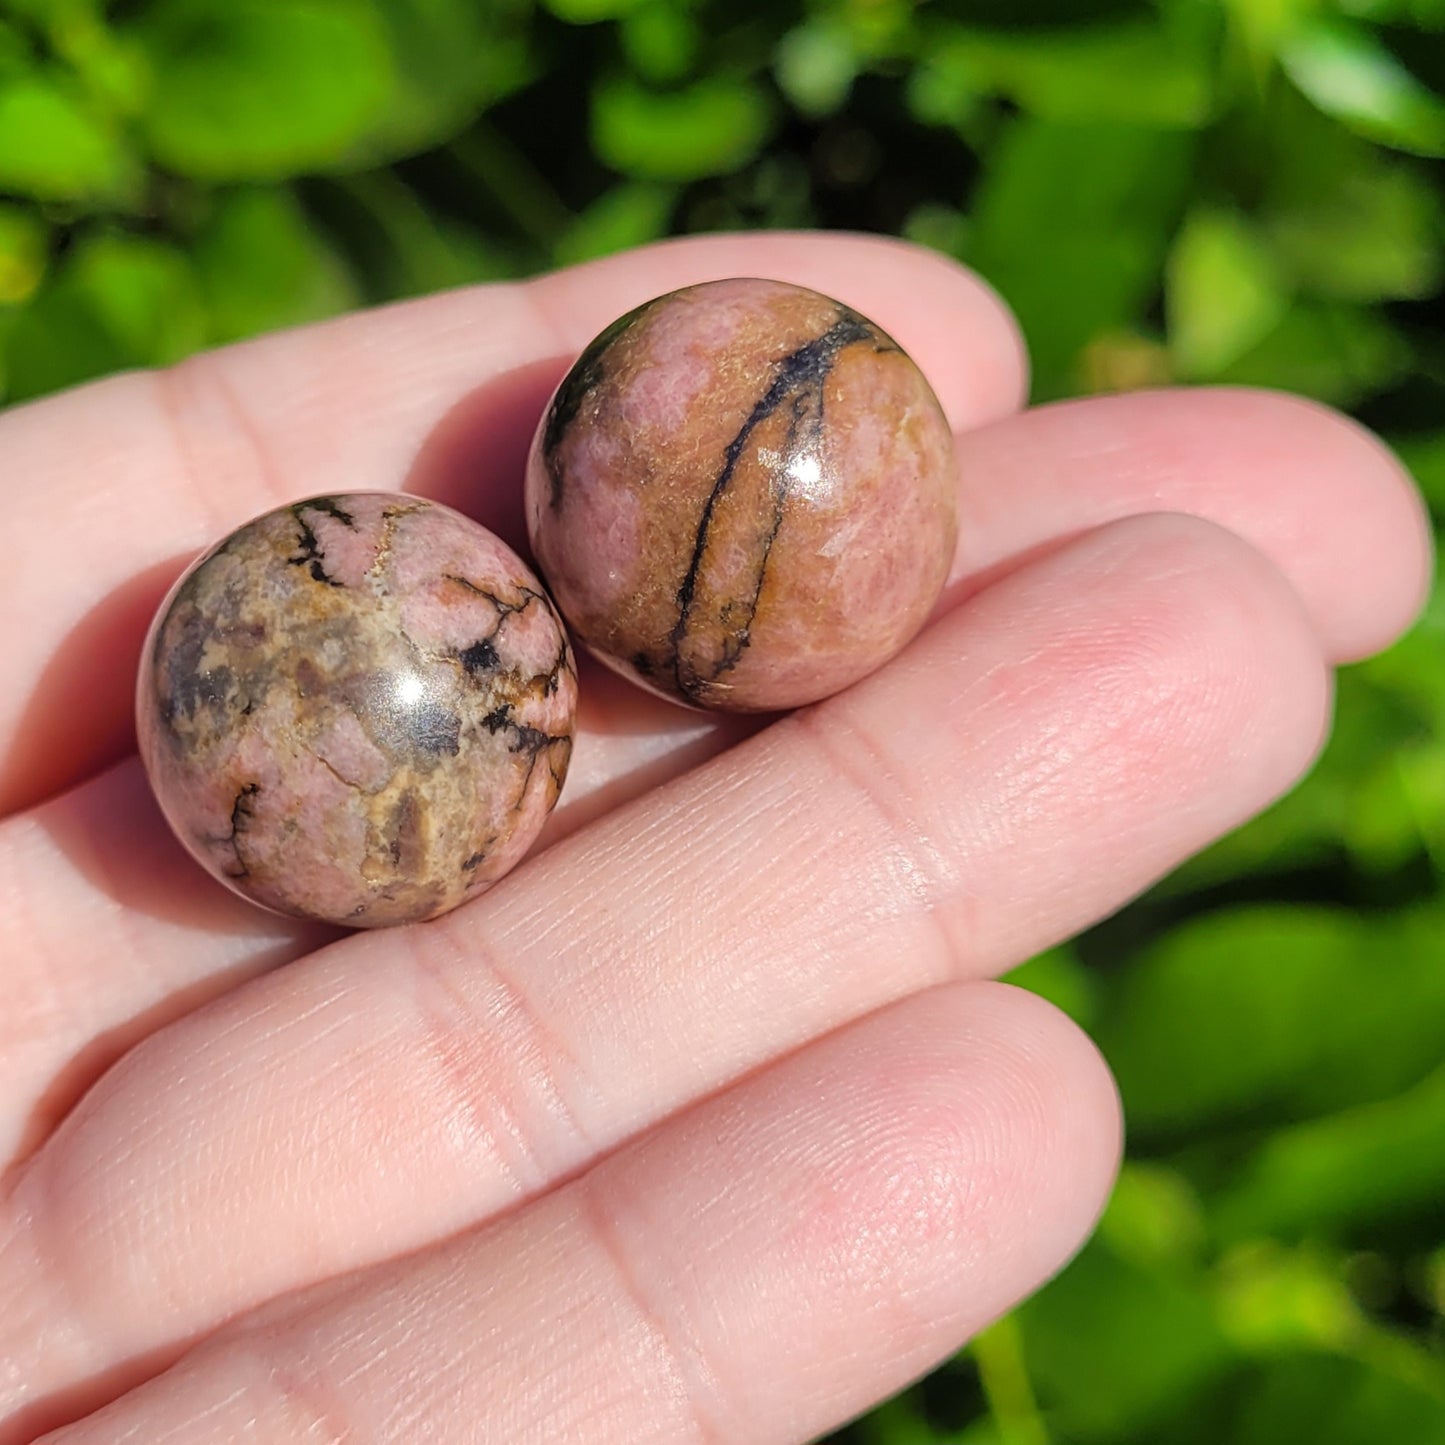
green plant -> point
(1191, 190)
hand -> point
(704, 1124)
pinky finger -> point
(756, 1270)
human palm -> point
(704, 1124)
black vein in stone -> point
(328, 507)
(801, 375)
(529, 741)
(529, 595)
(310, 554)
(585, 376)
(480, 657)
(242, 811)
(734, 646)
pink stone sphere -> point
(358, 709)
(743, 496)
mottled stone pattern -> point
(743, 496)
(358, 708)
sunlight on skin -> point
(860, 1170)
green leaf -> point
(1412, 674)
(1273, 1013)
(1374, 236)
(1223, 290)
(118, 302)
(145, 295)
(260, 89)
(1155, 1218)
(452, 59)
(944, 94)
(52, 147)
(816, 66)
(1271, 1298)
(1378, 1164)
(1072, 223)
(1349, 74)
(1333, 352)
(1038, 15)
(55, 12)
(397, 246)
(1112, 1347)
(261, 265)
(50, 17)
(107, 64)
(630, 214)
(882, 32)
(1263, 26)
(707, 129)
(1371, 799)
(1424, 455)
(1328, 1400)
(54, 343)
(943, 228)
(1377, 243)
(7, 324)
(661, 41)
(899, 1421)
(14, 52)
(24, 238)
(1136, 72)
(1424, 14)
(589, 12)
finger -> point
(111, 930)
(1320, 497)
(1031, 761)
(1312, 490)
(126, 480)
(102, 907)
(757, 1271)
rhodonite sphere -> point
(743, 496)
(357, 708)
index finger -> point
(114, 487)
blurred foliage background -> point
(1191, 190)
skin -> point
(705, 1124)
